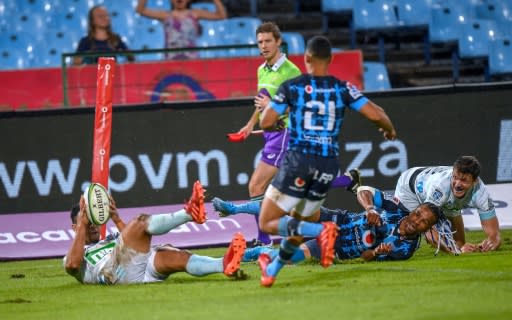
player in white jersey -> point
(128, 256)
(453, 189)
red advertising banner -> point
(103, 124)
(141, 82)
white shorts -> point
(130, 266)
(303, 207)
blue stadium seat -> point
(208, 6)
(475, 40)
(241, 30)
(415, 15)
(22, 42)
(329, 7)
(123, 19)
(376, 77)
(71, 18)
(374, 15)
(493, 10)
(28, 21)
(150, 36)
(445, 23)
(12, 60)
(500, 57)
(254, 7)
(295, 42)
(56, 42)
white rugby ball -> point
(97, 204)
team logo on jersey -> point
(437, 195)
(299, 182)
(368, 238)
(353, 91)
(279, 97)
(419, 186)
(308, 89)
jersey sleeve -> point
(353, 97)
(280, 101)
(483, 202)
(400, 249)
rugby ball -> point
(97, 204)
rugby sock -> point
(286, 252)
(342, 181)
(165, 222)
(201, 265)
(298, 256)
(252, 254)
(289, 226)
(251, 207)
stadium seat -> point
(374, 15)
(241, 30)
(475, 40)
(123, 20)
(31, 22)
(12, 60)
(295, 42)
(338, 7)
(208, 6)
(500, 57)
(415, 15)
(375, 77)
(493, 10)
(254, 7)
(71, 18)
(150, 36)
(23, 43)
(445, 22)
(56, 42)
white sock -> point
(165, 222)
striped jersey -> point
(316, 107)
(356, 236)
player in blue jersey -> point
(453, 188)
(385, 231)
(128, 257)
(315, 103)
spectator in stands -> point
(100, 37)
(384, 231)
(128, 257)
(181, 24)
(453, 188)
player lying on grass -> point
(128, 256)
(385, 231)
(453, 188)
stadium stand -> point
(415, 62)
(295, 42)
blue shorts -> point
(306, 176)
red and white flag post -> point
(103, 124)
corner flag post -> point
(103, 124)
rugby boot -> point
(234, 254)
(195, 205)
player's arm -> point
(150, 13)
(277, 107)
(378, 116)
(75, 255)
(366, 196)
(381, 251)
(492, 230)
(114, 215)
(220, 12)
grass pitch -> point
(471, 286)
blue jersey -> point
(316, 108)
(356, 236)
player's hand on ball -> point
(82, 216)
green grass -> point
(472, 286)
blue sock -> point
(286, 252)
(298, 256)
(289, 226)
(201, 265)
(251, 207)
(252, 254)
